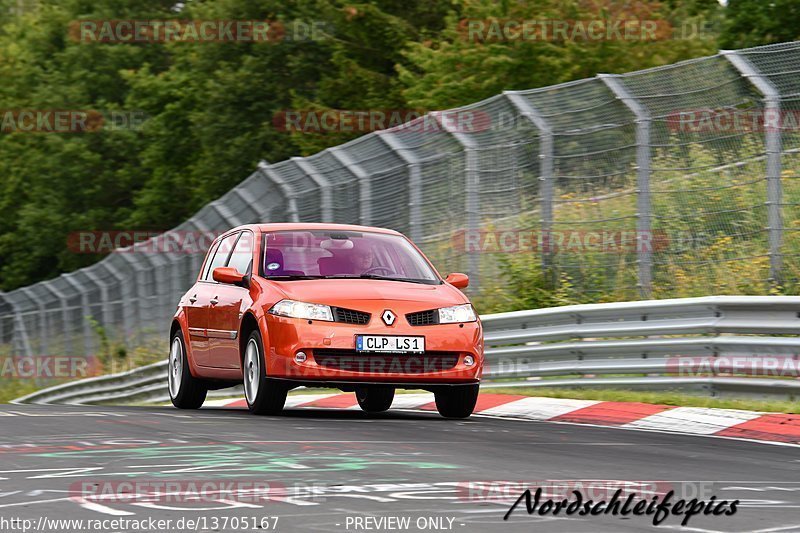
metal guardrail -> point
(621, 339)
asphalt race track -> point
(327, 470)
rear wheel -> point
(263, 397)
(457, 402)
(375, 399)
(185, 390)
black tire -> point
(457, 401)
(185, 390)
(268, 397)
(375, 399)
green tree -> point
(756, 22)
(56, 183)
(471, 61)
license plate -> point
(390, 343)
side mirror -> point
(457, 280)
(228, 275)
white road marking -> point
(410, 401)
(538, 408)
(299, 399)
(699, 420)
(92, 506)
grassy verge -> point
(11, 389)
(663, 398)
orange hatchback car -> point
(361, 309)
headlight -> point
(457, 313)
(293, 309)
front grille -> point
(349, 316)
(353, 361)
(423, 318)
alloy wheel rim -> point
(175, 367)
(252, 371)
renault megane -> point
(361, 309)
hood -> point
(338, 291)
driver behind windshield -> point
(361, 259)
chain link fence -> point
(675, 181)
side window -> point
(242, 256)
(221, 255)
(209, 259)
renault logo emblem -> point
(388, 317)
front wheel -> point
(185, 390)
(375, 399)
(458, 401)
(263, 397)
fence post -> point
(20, 342)
(2, 321)
(364, 183)
(546, 156)
(414, 182)
(108, 318)
(129, 314)
(44, 334)
(326, 209)
(67, 340)
(472, 190)
(136, 305)
(644, 211)
(772, 108)
(156, 263)
(288, 193)
(85, 313)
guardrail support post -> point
(288, 193)
(644, 213)
(414, 182)
(364, 183)
(546, 189)
(772, 114)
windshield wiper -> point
(291, 277)
(284, 277)
(406, 280)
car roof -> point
(307, 226)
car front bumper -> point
(331, 356)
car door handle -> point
(213, 301)
(193, 299)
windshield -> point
(343, 254)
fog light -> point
(300, 357)
(469, 360)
